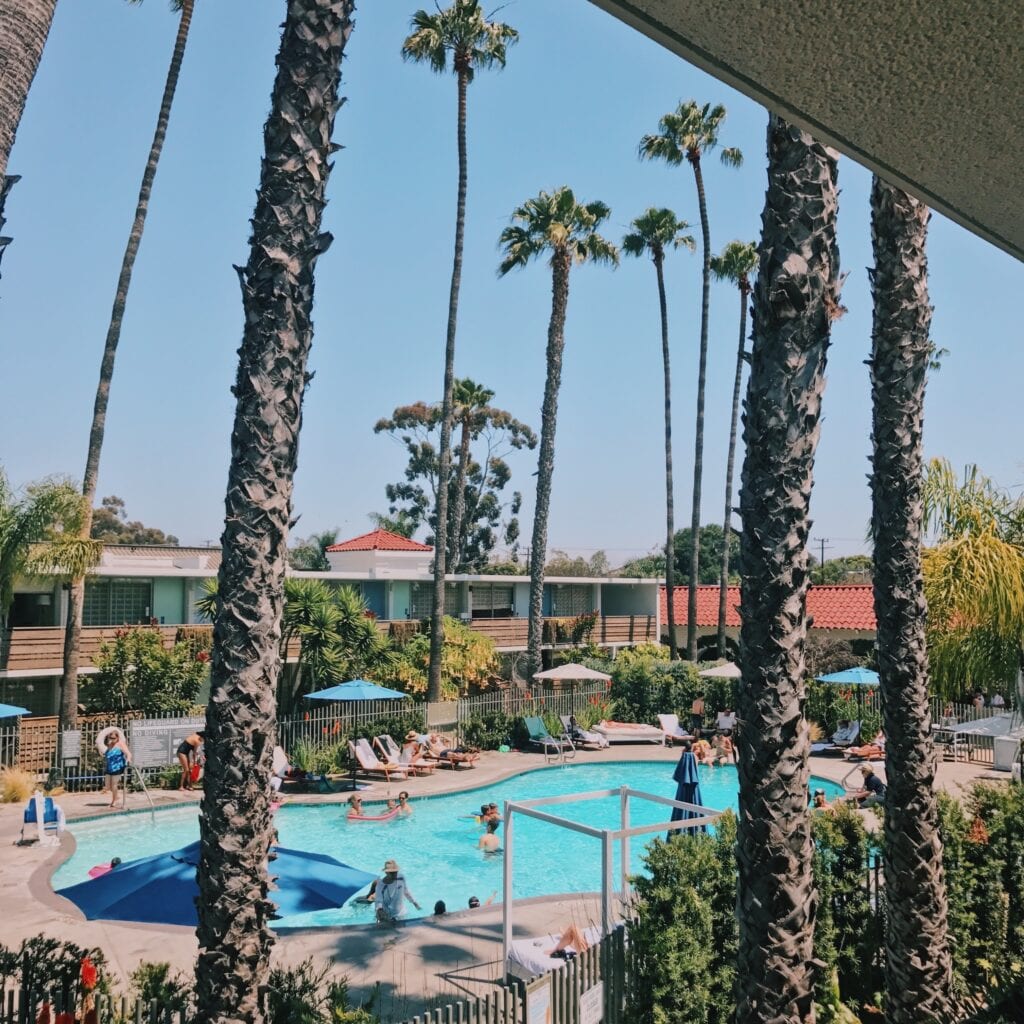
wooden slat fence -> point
(24, 1006)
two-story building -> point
(161, 586)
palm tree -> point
(39, 535)
(795, 298)
(24, 26)
(653, 232)
(462, 29)
(737, 261)
(470, 400)
(76, 596)
(687, 134)
(918, 963)
(552, 223)
(277, 299)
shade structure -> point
(572, 673)
(687, 777)
(857, 676)
(162, 889)
(10, 710)
(356, 689)
(726, 671)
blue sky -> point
(579, 91)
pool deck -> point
(434, 959)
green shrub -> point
(171, 990)
(307, 994)
(488, 731)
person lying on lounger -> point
(572, 942)
(874, 749)
(438, 748)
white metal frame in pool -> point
(608, 836)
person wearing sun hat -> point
(392, 892)
(872, 789)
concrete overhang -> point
(927, 94)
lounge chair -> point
(393, 754)
(672, 730)
(582, 737)
(841, 739)
(448, 757)
(551, 745)
(370, 763)
(528, 958)
(630, 732)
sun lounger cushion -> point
(528, 957)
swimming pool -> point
(436, 845)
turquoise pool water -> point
(436, 845)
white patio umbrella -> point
(571, 672)
(726, 671)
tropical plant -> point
(489, 435)
(973, 580)
(277, 297)
(157, 982)
(653, 232)
(24, 26)
(556, 225)
(462, 31)
(76, 595)
(796, 297)
(309, 994)
(918, 968)
(687, 133)
(39, 534)
(310, 554)
(470, 662)
(136, 672)
(736, 262)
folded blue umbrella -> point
(356, 689)
(162, 889)
(10, 710)
(687, 776)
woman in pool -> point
(188, 752)
(355, 806)
(116, 758)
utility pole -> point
(824, 542)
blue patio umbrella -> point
(356, 689)
(688, 790)
(857, 676)
(10, 710)
(162, 889)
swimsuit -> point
(116, 761)
(184, 747)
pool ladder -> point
(561, 750)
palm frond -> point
(731, 157)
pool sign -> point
(538, 1002)
(592, 1005)
(154, 741)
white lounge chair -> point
(582, 737)
(672, 730)
(395, 755)
(846, 737)
(629, 732)
(372, 764)
(528, 958)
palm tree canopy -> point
(736, 262)
(463, 30)
(555, 222)
(654, 231)
(687, 133)
(468, 395)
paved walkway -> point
(436, 959)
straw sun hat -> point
(390, 865)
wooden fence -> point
(24, 1006)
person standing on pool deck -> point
(187, 751)
(116, 759)
(392, 892)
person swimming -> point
(489, 841)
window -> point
(421, 600)
(117, 602)
(492, 601)
(571, 599)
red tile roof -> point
(380, 540)
(847, 606)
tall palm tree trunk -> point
(698, 444)
(917, 964)
(444, 459)
(277, 297)
(24, 26)
(76, 600)
(560, 264)
(723, 579)
(456, 546)
(795, 298)
(670, 517)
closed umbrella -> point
(162, 889)
(687, 778)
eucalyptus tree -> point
(556, 225)
(687, 133)
(654, 231)
(462, 31)
(736, 262)
(469, 400)
(236, 828)
(795, 298)
(24, 26)
(918, 961)
(76, 596)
